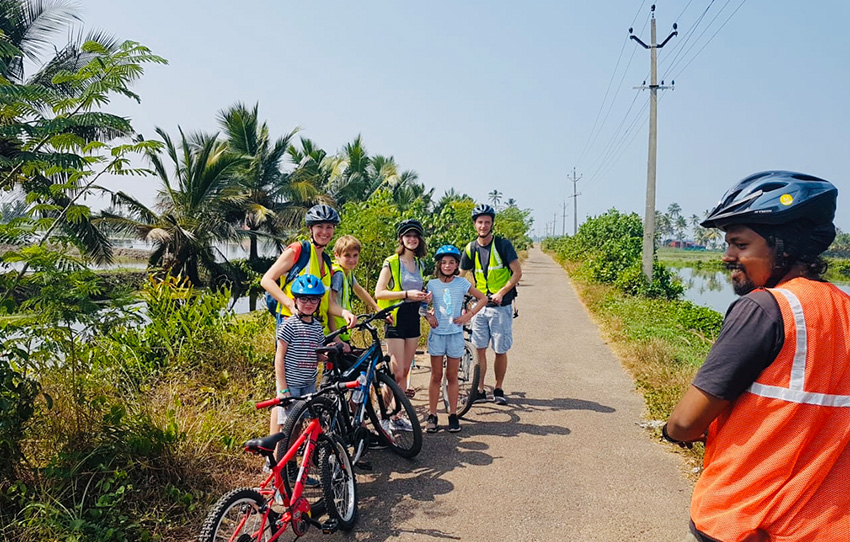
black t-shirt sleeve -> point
(750, 339)
(465, 261)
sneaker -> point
(499, 397)
(479, 396)
(375, 442)
(454, 424)
(400, 424)
(312, 482)
(431, 423)
(387, 427)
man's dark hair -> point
(798, 242)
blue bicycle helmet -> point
(307, 285)
(483, 209)
(775, 198)
(447, 250)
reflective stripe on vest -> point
(315, 268)
(497, 274)
(796, 392)
(344, 300)
(777, 460)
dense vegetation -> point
(123, 406)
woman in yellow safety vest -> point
(401, 280)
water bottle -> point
(357, 395)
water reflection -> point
(713, 289)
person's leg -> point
(501, 328)
(500, 367)
(436, 383)
(481, 340)
(395, 348)
(409, 353)
(451, 381)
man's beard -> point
(741, 287)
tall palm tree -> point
(188, 219)
(350, 174)
(307, 184)
(449, 196)
(496, 197)
(510, 203)
(260, 185)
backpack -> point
(302, 262)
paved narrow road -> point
(565, 460)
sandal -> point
(410, 393)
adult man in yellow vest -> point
(492, 265)
(772, 400)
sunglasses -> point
(310, 299)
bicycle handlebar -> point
(380, 315)
(337, 387)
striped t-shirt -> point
(302, 340)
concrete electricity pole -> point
(575, 200)
(564, 221)
(649, 217)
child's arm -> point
(280, 369)
(482, 302)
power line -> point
(591, 138)
(712, 37)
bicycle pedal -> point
(363, 465)
(330, 526)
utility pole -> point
(564, 222)
(649, 216)
(575, 200)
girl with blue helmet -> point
(446, 319)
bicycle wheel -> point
(469, 374)
(236, 516)
(393, 417)
(296, 422)
(338, 483)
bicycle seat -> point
(264, 445)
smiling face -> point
(749, 257)
(448, 266)
(483, 225)
(322, 233)
(410, 240)
(348, 259)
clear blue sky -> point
(484, 95)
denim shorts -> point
(494, 324)
(294, 392)
(450, 345)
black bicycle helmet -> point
(320, 214)
(774, 198)
(483, 209)
(409, 224)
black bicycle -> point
(378, 398)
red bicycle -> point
(263, 513)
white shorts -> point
(494, 324)
(450, 345)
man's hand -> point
(497, 298)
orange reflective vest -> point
(777, 463)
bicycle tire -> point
(339, 484)
(405, 444)
(469, 374)
(296, 421)
(225, 520)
